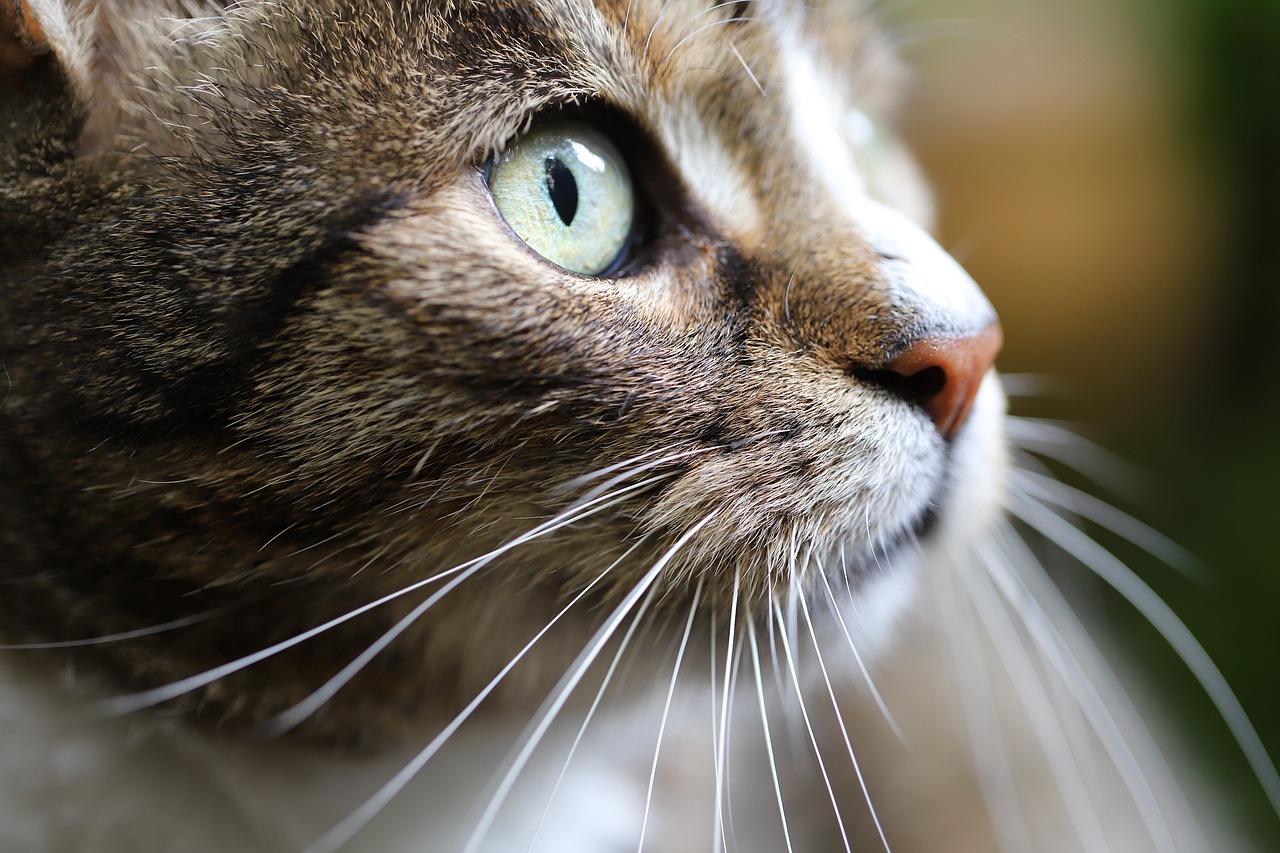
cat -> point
(469, 425)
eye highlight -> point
(565, 190)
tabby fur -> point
(270, 356)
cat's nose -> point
(943, 374)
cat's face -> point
(291, 320)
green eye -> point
(566, 192)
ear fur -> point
(30, 29)
(46, 82)
(21, 37)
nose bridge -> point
(884, 303)
(914, 270)
(867, 283)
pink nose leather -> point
(943, 374)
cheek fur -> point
(299, 440)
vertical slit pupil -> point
(562, 189)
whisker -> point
(738, 650)
(1052, 440)
(747, 68)
(595, 704)
(1034, 385)
(712, 692)
(844, 729)
(721, 757)
(653, 28)
(790, 622)
(346, 829)
(575, 675)
(570, 485)
(813, 739)
(1029, 606)
(287, 720)
(857, 657)
(639, 469)
(1049, 490)
(754, 647)
(662, 13)
(129, 703)
(1144, 599)
(986, 737)
(666, 710)
(163, 627)
(1030, 690)
(772, 629)
(700, 30)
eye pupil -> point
(562, 189)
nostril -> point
(942, 375)
(918, 387)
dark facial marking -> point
(739, 12)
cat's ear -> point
(50, 76)
(39, 36)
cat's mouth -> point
(859, 559)
(854, 565)
(961, 503)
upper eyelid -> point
(519, 124)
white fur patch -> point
(710, 168)
(816, 108)
(916, 267)
(913, 266)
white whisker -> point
(772, 628)
(662, 13)
(813, 739)
(573, 677)
(1164, 620)
(712, 693)
(1057, 442)
(1073, 500)
(653, 28)
(639, 469)
(287, 720)
(163, 627)
(754, 647)
(570, 485)
(1029, 688)
(721, 735)
(986, 738)
(844, 730)
(1034, 385)
(129, 703)
(595, 704)
(857, 656)
(346, 829)
(1055, 650)
(699, 31)
(666, 710)
(747, 68)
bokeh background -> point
(1109, 171)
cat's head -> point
(302, 304)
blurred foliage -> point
(1189, 396)
(1226, 56)
(1214, 445)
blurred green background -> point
(1110, 173)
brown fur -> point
(271, 354)
(266, 346)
